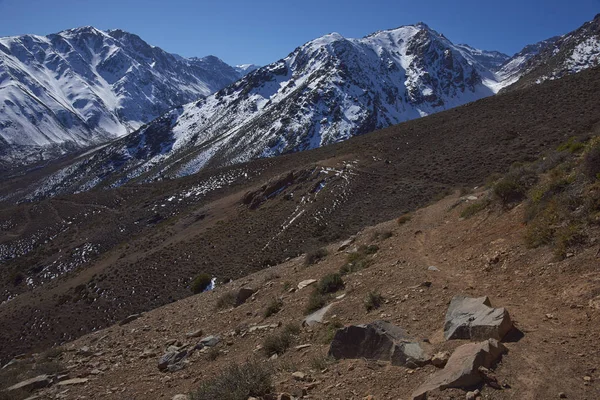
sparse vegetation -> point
(213, 353)
(200, 283)
(319, 363)
(381, 235)
(312, 257)
(373, 301)
(572, 146)
(330, 329)
(591, 162)
(404, 218)
(226, 300)
(277, 343)
(273, 308)
(475, 207)
(316, 301)
(292, 328)
(330, 284)
(238, 382)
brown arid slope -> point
(554, 304)
(79, 263)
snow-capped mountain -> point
(245, 69)
(85, 86)
(557, 57)
(325, 91)
(492, 60)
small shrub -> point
(314, 256)
(273, 308)
(213, 353)
(371, 249)
(591, 163)
(373, 301)
(355, 266)
(287, 285)
(381, 235)
(200, 283)
(474, 208)
(272, 276)
(330, 331)
(509, 190)
(319, 363)
(330, 283)
(292, 328)
(226, 300)
(566, 238)
(316, 301)
(238, 382)
(571, 145)
(404, 219)
(277, 343)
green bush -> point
(316, 301)
(273, 308)
(200, 283)
(277, 343)
(509, 190)
(572, 146)
(330, 283)
(474, 208)
(226, 300)
(373, 301)
(404, 219)
(238, 382)
(314, 256)
(591, 163)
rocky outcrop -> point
(379, 340)
(474, 318)
(462, 369)
(29, 385)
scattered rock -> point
(302, 346)
(346, 243)
(472, 395)
(29, 385)
(210, 341)
(180, 397)
(243, 294)
(379, 340)
(474, 318)
(306, 283)
(317, 317)
(172, 360)
(74, 381)
(284, 396)
(433, 268)
(440, 359)
(462, 369)
(562, 395)
(129, 319)
(299, 376)
(84, 351)
(194, 334)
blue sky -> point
(260, 31)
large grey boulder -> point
(462, 369)
(29, 385)
(474, 318)
(379, 340)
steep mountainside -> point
(560, 56)
(326, 91)
(84, 86)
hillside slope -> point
(101, 255)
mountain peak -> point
(82, 30)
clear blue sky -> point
(261, 31)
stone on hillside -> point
(242, 295)
(129, 319)
(474, 318)
(299, 376)
(29, 385)
(317, 317)
(74, 381)
(180, 397)
(379, 340)
(194, 334)
(284, 396)
(306, 283)
(172, 360)
(440, 359)
(462, 369)
(346, 243)
(210, 341)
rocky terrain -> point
(79, 263)
(415, 269)
(84, 87)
